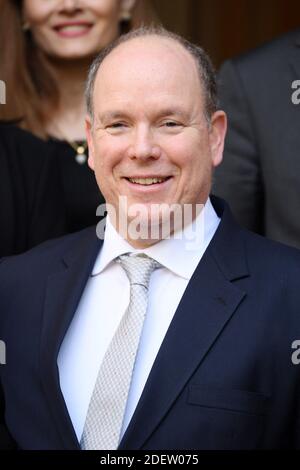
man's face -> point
(150, 140)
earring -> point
(126, 16)
(25, 26)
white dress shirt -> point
(105, 300)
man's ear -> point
(217, 135)
(89, 138)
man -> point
(209, 366)
(259, 176)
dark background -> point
(226, 28)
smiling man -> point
(142, 342)
(154, 133)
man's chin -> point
(150, 223)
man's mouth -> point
(148, 181)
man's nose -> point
(143, 145)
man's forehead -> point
(152, 51)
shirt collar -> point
(188, 244)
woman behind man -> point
(47, 47)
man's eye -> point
(115, 125)
(171, 124)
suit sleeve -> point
(239, 179)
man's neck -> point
(174, 226)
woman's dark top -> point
(44, 191)
(81, 193)
(31, 208)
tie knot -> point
(138, 268)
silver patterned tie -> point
(107, 406)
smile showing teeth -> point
(73, 28)
(147, 181)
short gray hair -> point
(205, 68)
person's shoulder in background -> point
(258, 175)
(270, 53)
(31, 209)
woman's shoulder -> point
(22, 150)
(16, 141)
(10, 131)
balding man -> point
(173, 328)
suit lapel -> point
(64, 290)
(206, 307)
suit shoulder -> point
(269, 255)
(45, 256)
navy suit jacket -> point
(223, 377)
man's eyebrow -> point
(169, 111)
(172, 111)
(109, 115)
